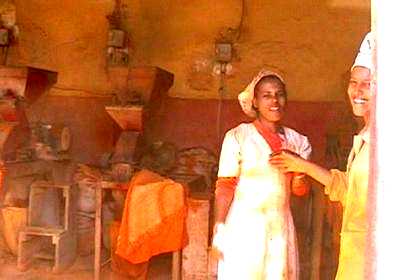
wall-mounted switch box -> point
(223, 52)
(116, 38)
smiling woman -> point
(270, 99)
(359, 92)
(249, 188)
(350, 187)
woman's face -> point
(359, 91)
(270, 100)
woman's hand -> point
(288, 161)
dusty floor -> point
(82, 269)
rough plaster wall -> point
(68, 37)
(311, 42)
(7, 13)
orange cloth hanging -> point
(122, 266)
(153, 220)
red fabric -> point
(300, 187)
(225, 187)
(273, 139)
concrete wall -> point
(312, 43)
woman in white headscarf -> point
(254, 235)
(349, 187)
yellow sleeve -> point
(337, 190)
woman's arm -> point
(335, 181)
(229, 168)
(225, 189)
(288, 161)
(224, 193)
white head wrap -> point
(365, 56)
(245, 97)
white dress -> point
(258, 239)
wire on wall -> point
(220, 103)
(224, 55)
(241, 21)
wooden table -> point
(103, 186)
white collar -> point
(364, 134)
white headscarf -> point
(245, 97)
(365, 55)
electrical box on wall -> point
(116, 38)
(223, 52)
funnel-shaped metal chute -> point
(19, 87)
(134, 88)
(5, 130)
(127, 117)
(26, 83)
(141, 85)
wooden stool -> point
(51, 240)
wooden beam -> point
(176, 265)
(98, 233)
